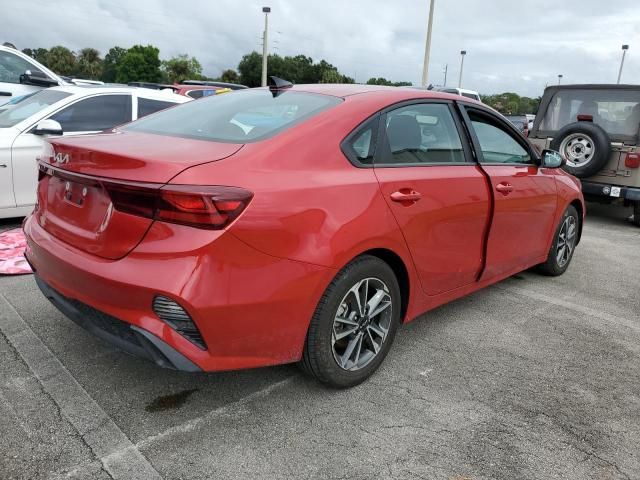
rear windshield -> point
(27, 107)
(238, 117)
(616, 111)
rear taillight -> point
(632, 160)
(209, 207)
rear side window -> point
(95, 113)
(147, 106)
(359, 147)
(239, 117)
(422, 133)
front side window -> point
(239, 117)
(12, 66)
(147, 106)
(423, 133)
(95, 113)
(496, 143)
(30, 106)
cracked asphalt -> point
(533, 378)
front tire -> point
(354, 324)
(564, 243)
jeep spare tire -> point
(585, 145)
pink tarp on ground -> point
(12, 245)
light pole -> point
(266, 11)
(427, 46)
(462, 54)
(446, 67)
(624, 51)
(559, 78)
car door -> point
(88, 115)
(436, 192)
(524, 196)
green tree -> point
(250, 69)
(230, 76)
(180, 68)
(389, 83)
(141, 64)
(89, 64)
(61, 60)
(110, 63)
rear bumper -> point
(252, 309)
(126, 337)
(604, 190)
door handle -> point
(406, 196)
(504, 188)
(5, 94)
(3, 165)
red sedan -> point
(293, 224)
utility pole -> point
(265, 36)
(446, 67)
(462, 54)
(624, 51)
(427, 47)
(559, 78)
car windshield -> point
(27, 107)
(616, 111)
(238, 117)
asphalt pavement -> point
(533, 378)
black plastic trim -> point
(147, 346)
(626, 193)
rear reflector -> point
(632, 160)
(208, 207)
(173, 314)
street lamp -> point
(624, 51)
(559, 78)
(266, 11)
(462, 54)
(427, 47)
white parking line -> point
(572, 306)
(118, 455)
(190, 425)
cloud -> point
(512, 46)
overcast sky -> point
(512, 45)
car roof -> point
(593, 86)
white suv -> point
(68, 110)
(20, 75)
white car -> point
(69, 110)
(460, 91)
(20, 75)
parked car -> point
(20, 75)
(69, 110)
(460, 91)
(337, 213)
(596, 127)
(232, 86)
(520, 122)
(193, 91)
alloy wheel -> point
(361, 324)
(566, 241)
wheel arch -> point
(399, 269)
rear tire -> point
(564, 243)
(354, 324)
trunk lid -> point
(73, 202)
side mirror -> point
(552, 159)
(47, 127)
(38, 79)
